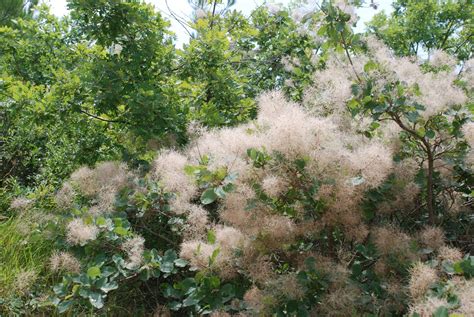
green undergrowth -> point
(21, 252)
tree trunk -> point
(430, 189)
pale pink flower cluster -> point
(247, 230)
(197, 223)
(169, 168)
(468, 130)
(287, 285)
(197, 252)
(347, 8)
(287, 64)
(85, 181)
(80, 233)
(467, 74)
(463, 289)
(274, 186)
(441, 58)
(134, 248)
(65, 196)
(390, 240)
(346, 164)
(233, 210)
(24, 280)
(202, 254)
(254, 298)
(465, 292)
(331, 89)
(288, 129)
(427, 307)
(446, 253)
(332, 85)
(65, 262)
(226, 147)
(438, 91)
(340, 302)
(298, 14)
(422, 278)
(100, 184)
(273, 8)
(21, 203)
(370, 160)
(432, 237)
(200, 14)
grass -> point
(19, 253)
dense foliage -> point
(276, 165)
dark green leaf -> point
(96, 300)
(441, 312)
(64, 306)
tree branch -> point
(102, 119)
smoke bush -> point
(306, 171)
(306, 205)
(310, 176)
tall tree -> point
(11, 9)
(416, 26)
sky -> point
(182, 9)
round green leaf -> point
(93, 272)
(208, 196)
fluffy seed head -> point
(169, 169)
(347, 8)
(422, 277)
(24, 280)
(374, 162)
(441, 58)
(274, 185)
(286, 285)
(196, 223)
(446, 253)
(79, 233)
(432, 237)
(340, 302)
(65, 262)
(430, 84)
(390, 240)
(21, 203)
(85, 181)
(468, 130)
(101, 183)
(65, 196)
(229, 238)
(465, 292)
(197, 253)
(427, 307)
(254, 298)
(134, 249)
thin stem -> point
(431, 157)
(344, 45)
(100, 118)
(213, 13)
